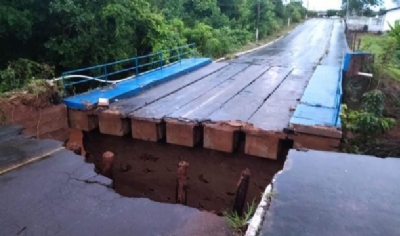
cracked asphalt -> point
(62, 195)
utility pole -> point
(308, 2)
(258, 19)
(347, 11)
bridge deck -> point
(249, 100)
(212, 106)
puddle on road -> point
(149, 170)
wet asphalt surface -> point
(331, 194)
(62, 195)
(302, 49)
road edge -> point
(262, 46)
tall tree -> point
(359, 5)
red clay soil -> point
(36, 114)
(75, 139)
(149, 170)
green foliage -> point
(387, 52)
(359, 5)
(369, 121)
(239, 223)
(395, 31)
(70, 34)
(331, 12)
(20, 73)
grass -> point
(272, 194)
(374, 44)
(36, 87)
(285, 30)
(239, 223)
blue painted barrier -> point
(130, 67)
(322, 87)
(321, 101)
(131, 87)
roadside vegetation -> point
(239, 223)
(371, 118)
(39, 38)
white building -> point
(375, 24)
(390, 17)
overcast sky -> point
(334, 4)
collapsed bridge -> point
(257, 103)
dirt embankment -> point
(42, 115)
(388, 143)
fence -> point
(118, 71)
(374, 24)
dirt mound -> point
(37, 109)
(38, 95)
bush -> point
(21, 72)
(369, 121)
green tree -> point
(69, 34)
(331, 12)
(359, 5)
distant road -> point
(303, 47)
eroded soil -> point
(41, 115)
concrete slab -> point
(175, 101)
(151, 95)
(157, 111)
(275, 113)
(62, 195)
(82, 120)
(323, 86)
(147, 129)
(250, 99)
(323, 193)
(131, 87)
(217, 97)
(312, 115)
(113, 121)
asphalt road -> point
(329, 194)
(303, 48)
(62, 195)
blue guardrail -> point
(125, 78)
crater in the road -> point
(150, 170)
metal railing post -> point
(137, 66)
(161, 60)
(179, 55)
(105, 73)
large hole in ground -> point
(149, 170)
